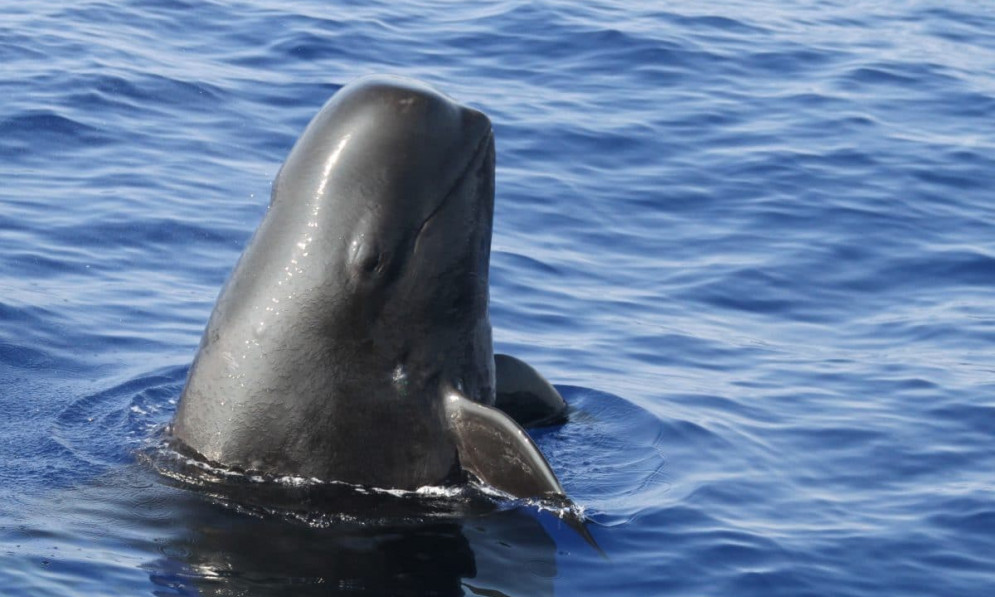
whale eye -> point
(366, 258)
(372, 262)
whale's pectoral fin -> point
(498, 451)
(525, 395)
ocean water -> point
(752, 243)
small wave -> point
(41, 129)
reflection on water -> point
(188, 543)
(224, 553)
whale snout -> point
(384, 136)
(414, 116)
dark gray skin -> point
(352, 341)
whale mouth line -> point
(470, 167)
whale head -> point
(360, 300)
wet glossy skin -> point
(360, 298)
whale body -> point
(352, 342)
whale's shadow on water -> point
(221, 551)
(241, 536)
(130, 524)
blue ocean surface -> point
(752, 243)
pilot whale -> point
(351, 341)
